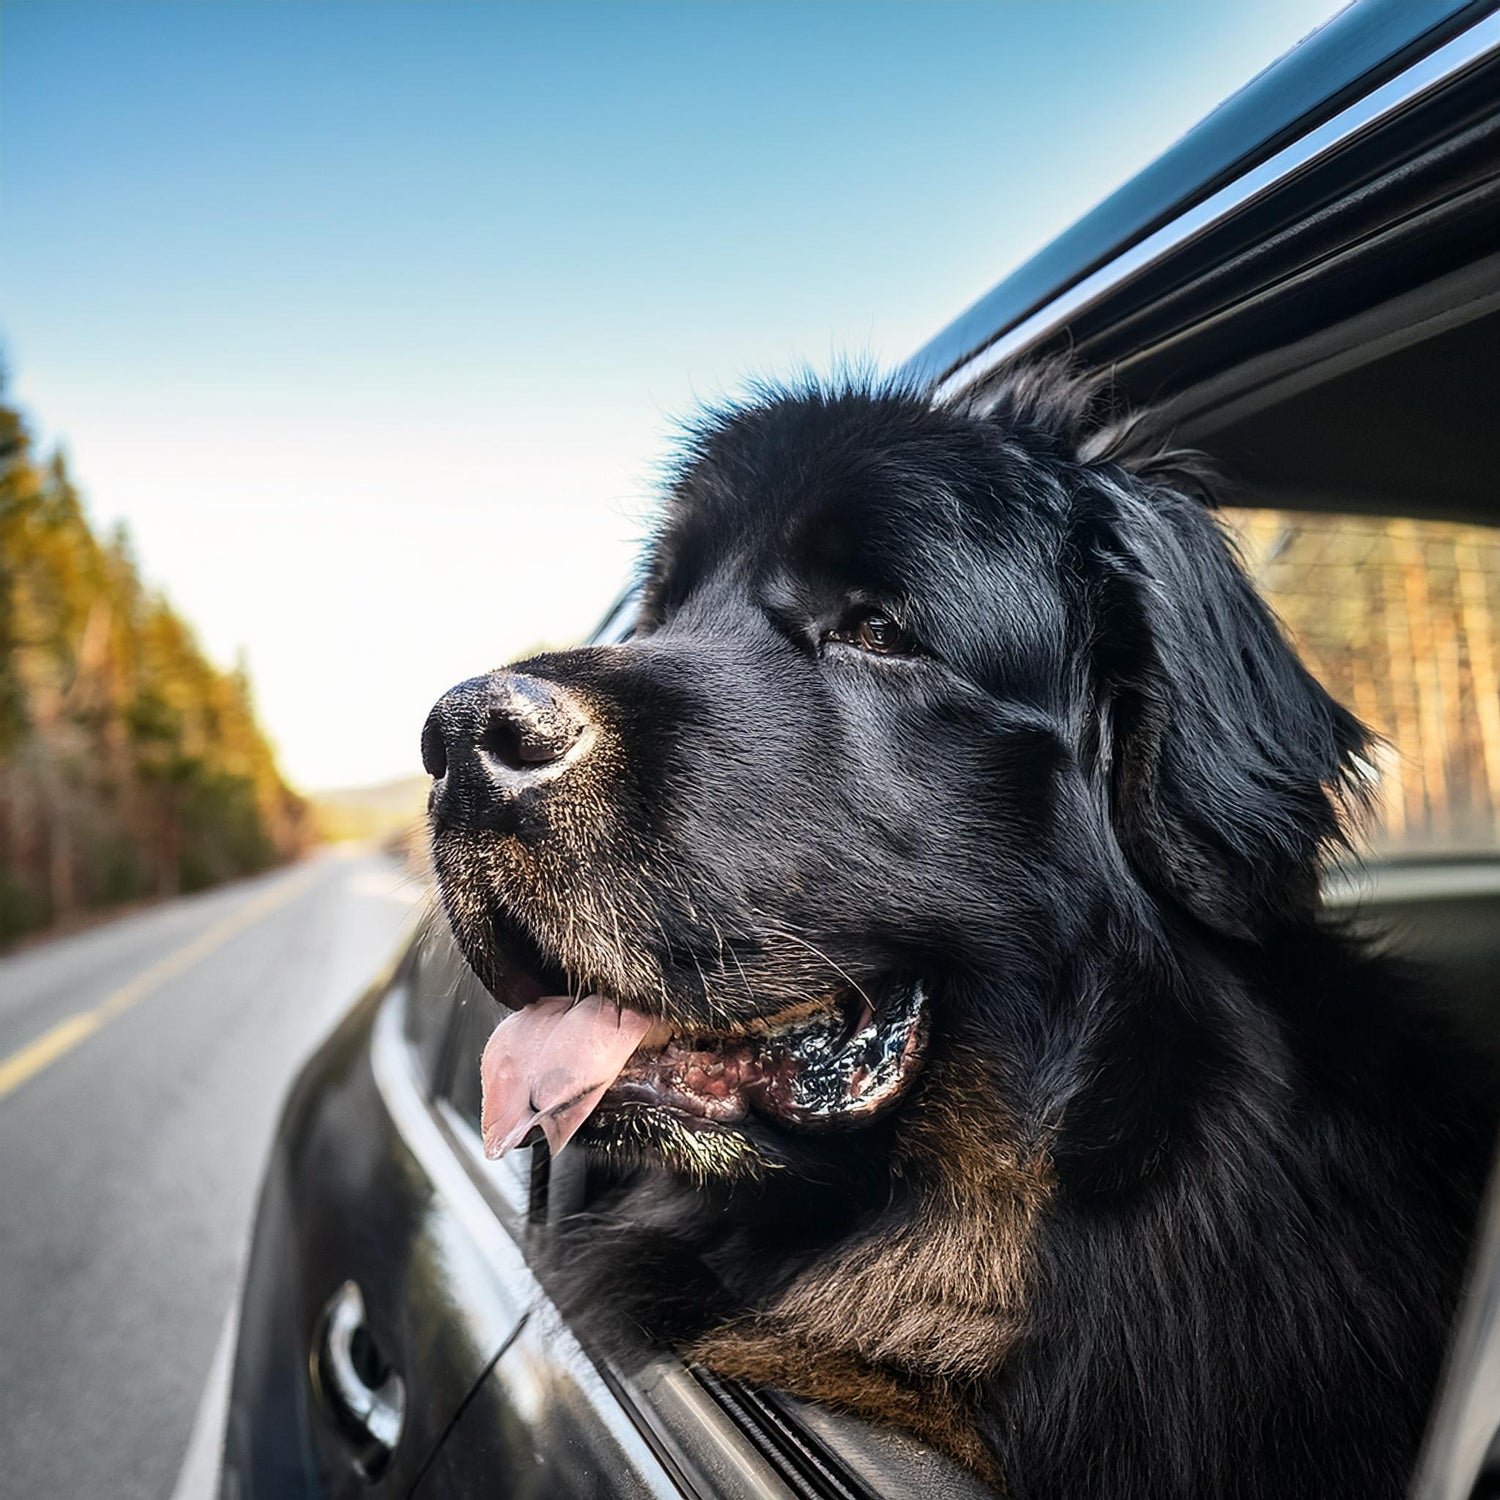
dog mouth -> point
(841, 1061)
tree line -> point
(130, 765)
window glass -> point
(426, 1008)
(475, 1016)
(446, 1008)
(1400, 620)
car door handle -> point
(354, 1382)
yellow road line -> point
(45, 1050)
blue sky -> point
(373, 320)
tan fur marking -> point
(898, 1323)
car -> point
(1309, 284)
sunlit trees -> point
(130, 765)
(1400, 619)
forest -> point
(130, 765)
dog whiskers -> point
(843, 973)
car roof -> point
(1350, 55)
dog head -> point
(921, 699)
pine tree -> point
(130, 765)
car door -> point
(371, 1306)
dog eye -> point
(875, 632)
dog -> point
(920, 913)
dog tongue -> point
(549, 1064)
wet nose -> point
(489, 739)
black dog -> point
(940, 861)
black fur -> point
(1180, 1204)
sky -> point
(374, 322)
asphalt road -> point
(142, 1067)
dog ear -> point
(1231, 772)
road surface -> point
(142, 1067)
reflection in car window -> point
(447, 1001)
(1400, 619)
(428, 978)
(475, 1015)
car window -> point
(427, 980)
(475, 1016)
(1399, 618)
(447, 1009)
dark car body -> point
(1310, 281)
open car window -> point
(1399, 618)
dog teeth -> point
(756, 1031)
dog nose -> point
(490, 738)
